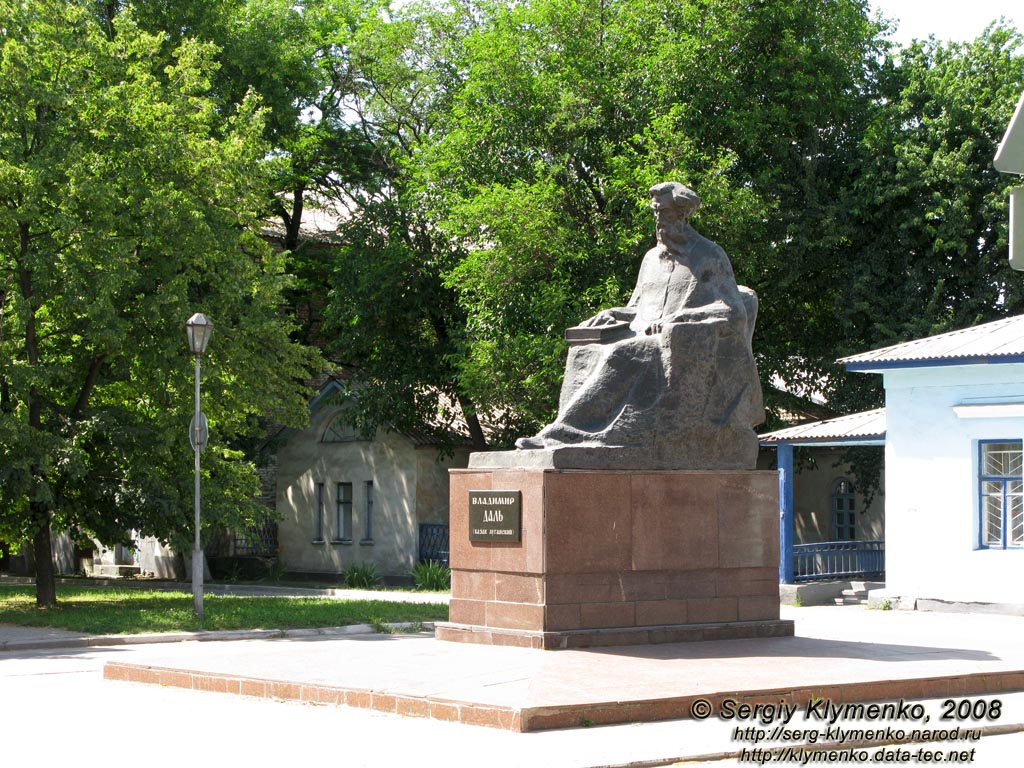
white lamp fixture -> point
(199, 327)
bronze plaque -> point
(495, 515)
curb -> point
(247, 590)
(102, 641)
(777, 754)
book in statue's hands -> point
(589, 334)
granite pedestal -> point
(618, 558)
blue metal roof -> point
(865, 428)
(1001, 341)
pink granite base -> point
(618, 558)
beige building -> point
(346, 500)
(824, 495)
(828, 530)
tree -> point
(928, 246)
(390, 313)
(490, 161)
(929, 209)
(569, 111)
(851, 183)
(126, 203)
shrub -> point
(361, 575)
(432, 576)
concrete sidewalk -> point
(29, 638)
(840, 655)
(848, 645)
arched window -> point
(844, 515)
(338, 431)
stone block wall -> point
(613, 550)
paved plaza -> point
(903, 652)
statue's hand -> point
(654, 328)
(600, 319)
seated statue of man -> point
(671, 376)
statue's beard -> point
(673, 233)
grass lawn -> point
(129, 611)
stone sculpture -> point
(668, 381)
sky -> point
(947, 19)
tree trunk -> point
(42, 548)
(46, 587)
(293, 220)
(476, 432)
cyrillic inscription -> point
(495, 515)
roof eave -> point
(1010, 155)
(882, 366)
(831, 442)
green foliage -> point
(276, 570)
(491, 161)
(928, 243)
(571, 111)
(432, 576)
(851, 184)
(390, 313)
(128, 201)
(380, 626)
(516, 183)
(930, 210)
(361, 576)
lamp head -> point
(199, 327)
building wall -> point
(932, 503)
(812, 498)
(159, 559)
(409, 487)
(63, 547)
(21, 558)
(432, 483)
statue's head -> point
(673, 196)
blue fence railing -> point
(838, 560)
(434, 542)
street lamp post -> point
(199, 329)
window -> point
(339, 432)
(318, 515)
(1002, 494)
(844, 505)
(368, 537)
(344, 512)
